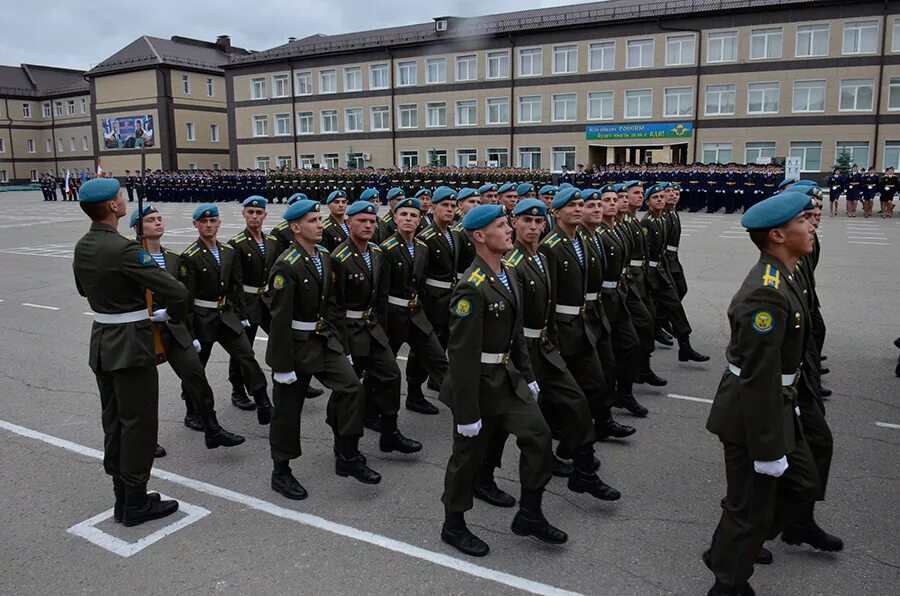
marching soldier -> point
(466, 200)
(672, 222)
(282, 232)
(334, 228)
(424, 195)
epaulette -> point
(271, 237)
(373, 246)
(343, 254)
(427, 233)
(171, 252)
(422, 243)
(240, 237)
(292, 256)
(390, 243)
(458, 227)
(769, 280)
(386, 218)
(327, 224)
(515, 258)
(321, 248)
(228, 246)
(191, 250)
(476, 278)
(283, 225)
(552, 240)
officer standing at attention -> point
(113, 273)
(308, 340)
(491, 387)
(334, 228)
(769, 468)
(129, 185)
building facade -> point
(620, 81)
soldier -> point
(113, 273)
(424, 195)
(672, 222)
(488, 194)
(508, 197)
(837, 183)
(854, 190)
(282, 232)
(212, 276)
(491, 388)
(309, 340)
(770, 471)
(466, 200)
(888, 189)
(334, 228)
(526, 191)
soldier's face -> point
(466, 204)
(208, 227)
(529, 195)
(610, 204)
(254, 217)
(496, 236)
(308, 228)
(657, 201)
(153, 226)
(490, 198)
(796, 235)
(338, 207)
(593, 212)
(362, 226)
(547, 199)
(509, 200)
(572, 214)
(407, 219)
(443, 212)
(426, 204)
(529, 228)
(635, 197)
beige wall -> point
(204, 161)
(130, 88)
(201, 121)
(198, 88)
(117, 164)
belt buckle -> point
(543, 335)
(505, 359)
(367, 314)
(581, 310)
(411, 303)
(320, 325)
(261, 291)
(221, 303)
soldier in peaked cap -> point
(334, 228)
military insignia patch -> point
(182, 271)
(763, 321)
(144, 258)
(278, 282)
(462, 309)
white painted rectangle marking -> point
(887, 425)
(875, 243)
(39, 306)
(702, 400)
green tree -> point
(844, 161)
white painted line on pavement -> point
(887, 425)
(875, 243)
(702, 400)
(39, 306)
(314, 521)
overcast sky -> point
(81, 34)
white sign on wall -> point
(792, 167)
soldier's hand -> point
(535, 390)
(771, 468)
(285, 378)
(350, 359)
(245, 323)
(469, 430)
(159, 316)
(197, 346)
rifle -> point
(148, 295)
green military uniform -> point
(333, 233)
(667, 304)
(672, 222)
(283, 237)
(637, 300)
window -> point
(602, 56)
(262, 163)
(531, 62)
(810, 154)
(378, 76)
(3, 176)
(59, 146)
(719, 100)
(530, 158)
(466, 157)
(83, 105)
(45, 109)
(48, 145)
(895, 40)
(564, 107)
(190, 132)
(70, 107)
(330, 160)
(258, 89)
(436, 114)
(353, 120)
(679, 50)
(34, 175)
(409, 115)
(530, 107)
(26, 110)
(437, 158)
(894, 94)
(565, 59)
(812, 40)
(640, 53)
(29, 145)
(282, 125)
(58, 108)
(406, 74)
(214, 133)
(600, 105)
(210, 88)
(466, 68)
(410, 159)
(307, 160)
(72, 144)
(809, 96)
(759, 152)
(215, 165)
(891, 155)
(329, 121)
(497, 65)
(280, 86)
(857, 150)
(467, 112)
(303, 81)
(639, 103)
(857, 95)
(84, 143)
(186, 84)
(328, 81)
(563, 156)
(284, 161)
(498, 110)
(860, 37)
(716, 152)
(353, 79)
(305, 123)
(762, 98)
(381, 118)
(498, 157)
(2, 145)
(721, 46)
(679, 102)
(765, 44)
(435, 70)
(192, 166)
(260, 126)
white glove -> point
(245, 323)
(285, 378)
(159, 316)
(771, 468)
(350, 359)
(197, 345)
(469, 430)
(534, 389)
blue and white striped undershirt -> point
(159, 258)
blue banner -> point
(645, 130)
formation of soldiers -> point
(49, 185)
(863, 187)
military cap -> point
(529, 207)
(776, 211)
(394, 193)
(255, 201)
(443, 194)
(409, 202)
(676, 186)
(664, 185)
(565, 185)
(548, 189)
(148, 209)
(335, 194)
(629, 184)
(297, 196)
(565, 195)
(489, 187)
(618, 187)
(362, 206)
(809, 189)
(652, 190)
(524, 188)
(507, 187)
(480, 216)
(610, 188)
(423, 191)
(805, 183)
(590, 194)
(463, 194)
(786, 182)
(98, 190)
(299, 209)
(205, 210)
(369, 194)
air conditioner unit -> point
(367, 156)
(440, 25)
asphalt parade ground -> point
(235, 535)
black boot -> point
(607, 428)
(416, 402)
(530, 520)
(486, 489)
(349, 462)
(624, 398)
(663, 338)
(216, 436)
(455, 533)
(373, 423)
(561, 469)
(313, 392)
(585, 480)
(393, 440)
(688, 354)
(263, 406)
(283, 482)
(433, 385)
(160, 451)
(119, 507)
(720, 589)
(240, 400)
(805, 530)
(646, 375)
(191, 418)
(140, 508)
(824, 392)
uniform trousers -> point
(381, 380)
(189, 369)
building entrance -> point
(641, 154)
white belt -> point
(356, 314)
(437, 283)
(255, 290)
(610, 284)
(404, 302)
(209, 303)
(487, 358)
(786, 380)
(636, 263)
(591, 296)
(459, 276)
(122, 317)
(653, 263)
(671, 248)
(303, 325)
(532, 333)
(569, 310)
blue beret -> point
(335, 194)
(297, 196)
(776, 211)
(394, 193)
(362, 206)
(650, 190)
(529, 207)
(629, 184)
(618, 187)
(590, 194)
(205, 210)
(507, 187)
(805, 183)
(369, 194)
(524, 188)
(548, 189)
(565, 195)
(676, 186)
(664, 185)
(463, 194)
(255, 201)
(480, 216)
(489, 187)
(98, 190)
(409, 202)
(809, 190)
(423, 191)
(565, 185)
(786, 182)
(299, 209)
(610, 188)
(442, 194)
(148, 209)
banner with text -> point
(128, 132)
(646, 130)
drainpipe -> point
(696, 118)
(294, 117)
(393, 108)
(512, 99)
(53, 135)
(12, 144)
(878, 93)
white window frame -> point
(349, 72)
(565, 58)
(721, 89)
(803, 147)
(470, 106)
(83, 105)
(810, 31)
(532, 101)
(210, 87)
(303, 80)
(408, 158)
(856, 87)
(806, 87)
(411, 78)
(680, 92)
(725, 40)
(354, 114)
(535, 62)
(34, 175)
(379, 112)
(530, 152)
(58, 107)
(48, 145)
(3, 177)
(466, 151)
(258, 88)
(256, 121)
(487, 112)
(765, 87)
(842, 146)
(284, 161)
(412, 111)
(330, 115)
(497, 152)
(441, 155)
(46, 110)
(893, 88)
(60, 146)
(29, 146)
(383, 71)
(302, 119)
(470, 60)
(681, 40)
(324, 75)
(858, 26)
(631, 93)
(26, 110)
(331, 161)
(283, 81)
(186, 84)
(282, 122)
(603, 97)
(562, 101)
(70, 107)
(262, 162)
(759, 147)
(438, 68)
(72, 144)
(568, 155)
(602, 47)
(773, 50)
(643, 43)
(306, 160)
(719, 149)
(190, 131)
(895, 37)
(214, 136)
(500, 62)
(2, 145)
